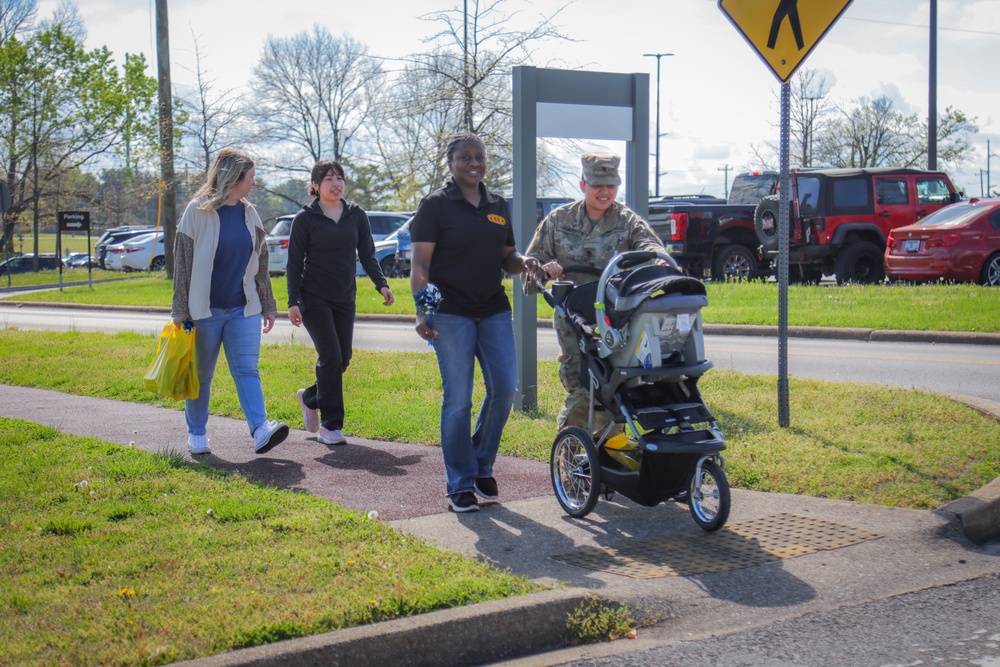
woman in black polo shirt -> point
(325, 237)
(463, 241)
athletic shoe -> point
(463, 502)
(269, 435)
(310, 417)
(486, 488)
(198, 444)
(331, 437)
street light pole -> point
(657, 56)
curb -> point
(979, 513)
(839, 333)
(471, 635)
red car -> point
(960, 242)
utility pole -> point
(656, 190)
(932, 93)
(726, 187)
(168, 212)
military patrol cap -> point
(601, 169)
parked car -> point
(960, 242)
(77, 260)
(383, 223)
(385, 253)
(116, 235)
(277, 245)
(26, 264)
(145, 252)
(716, 238)
(840, 219)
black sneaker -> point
(486, 488)
(463, 502)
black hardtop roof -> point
(847, 172)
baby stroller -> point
(640, 332)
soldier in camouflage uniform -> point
(587, 232)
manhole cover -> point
(739, 545)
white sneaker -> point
(269, 435)
(334, 437)
(198, 444)
(310, 417)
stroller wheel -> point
(709, 496)
(576, 471)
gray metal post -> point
(783, 223)
(637, 150)
(525, 307)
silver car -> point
(383, 223)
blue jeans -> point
(460, 342)
(241, 338)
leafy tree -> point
(873, 133)
(64, 107)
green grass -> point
(115, 556)
(937, 307)
(895, 447)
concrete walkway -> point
(527, 531)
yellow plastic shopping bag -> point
(173, 372)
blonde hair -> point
(230, 167)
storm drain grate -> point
(744, 544)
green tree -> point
(64, 108)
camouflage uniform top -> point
(567, 236)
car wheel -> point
(159, 263)
(991, 271)
(765, 222)
(861, 263)
(734, 262)
(388, 266)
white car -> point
(141, 253)
(384, 224)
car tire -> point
(765, 222)
(388, 266)
(862, 263)
(159, 263)
(734, 262)
(990, 275)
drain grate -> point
(740, 545)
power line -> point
(922, 27)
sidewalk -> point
(899, 550)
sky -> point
(718, 100)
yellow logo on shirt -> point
(496, 219)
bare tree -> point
(313, 92)
(807, 113)
(16, 17)
(213, 117)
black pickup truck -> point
(716, 238)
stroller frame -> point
(674, 442)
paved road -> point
(970, 370)
(947, 625)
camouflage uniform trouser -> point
(577, 404)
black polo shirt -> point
(468, 252)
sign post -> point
(783, 35)
(73, 221)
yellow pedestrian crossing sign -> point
(783, 32)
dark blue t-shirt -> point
(231, 258)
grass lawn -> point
(922, 307)
(116, 556)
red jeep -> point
(840, 218)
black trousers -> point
(331, 327)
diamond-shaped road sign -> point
(783, 32)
